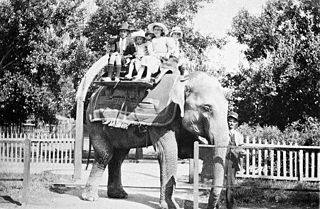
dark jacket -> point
(129, 48)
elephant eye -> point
(207, 108)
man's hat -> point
(164, 28)
(124, 26)
(176, 29)
(234, 115)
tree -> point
(42, 51)
(47, 46)
(282, 84)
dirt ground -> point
(140, 180)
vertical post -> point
(313, 164)
(26, 171)
(266, 152)
(290, 163)
(254, 158)
(79, 140)
(16, 152)
(306, 165)
(259, 157)
(278, 161)
(191, 170)
(300, 165)
(318, 167)
(196, 175)
(80, 97)
(284, 162)
(247, 157)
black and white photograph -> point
(160, 104)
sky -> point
(215, 19)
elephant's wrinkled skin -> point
(203, 113)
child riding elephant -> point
(121, 48)
(161, 50)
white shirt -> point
(237, 136)
(122, 44)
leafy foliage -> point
(42, 52)
(282, 84)
(47, 46)
(303, 133)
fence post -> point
(26, 171)
(196, 175)
(191, 170)
(300, 165)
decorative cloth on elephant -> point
(133, 105)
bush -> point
(303, 133)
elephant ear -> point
(177, 94)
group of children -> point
(148, 51)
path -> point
(135, 177)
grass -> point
(258, 195)
(265, 192)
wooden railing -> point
(44, 148)
(276, 161)
(271, 160)
(261, 160)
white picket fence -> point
(270, 160)
(280, 161)
(49, 151)
(262, 160)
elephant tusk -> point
(203, 140)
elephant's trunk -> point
(214, 162)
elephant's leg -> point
(115, 189)
(103, 154)
(167, 150)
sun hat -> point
(161, 25)
(149, 32)
(139, 33)
(176, 29)
(132, 28)
(124, 26)
(233, 115)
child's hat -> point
(139, 33)
(149, 32)
(176, 29)
(161, 25)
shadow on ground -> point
(138, 197)
(8, 200)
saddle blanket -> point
(126, 105)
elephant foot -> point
(90, 195)
(163, 205)
(172, 204)
(118, 193)
(215, 207)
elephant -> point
(202, 117)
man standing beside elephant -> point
(233, 156)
